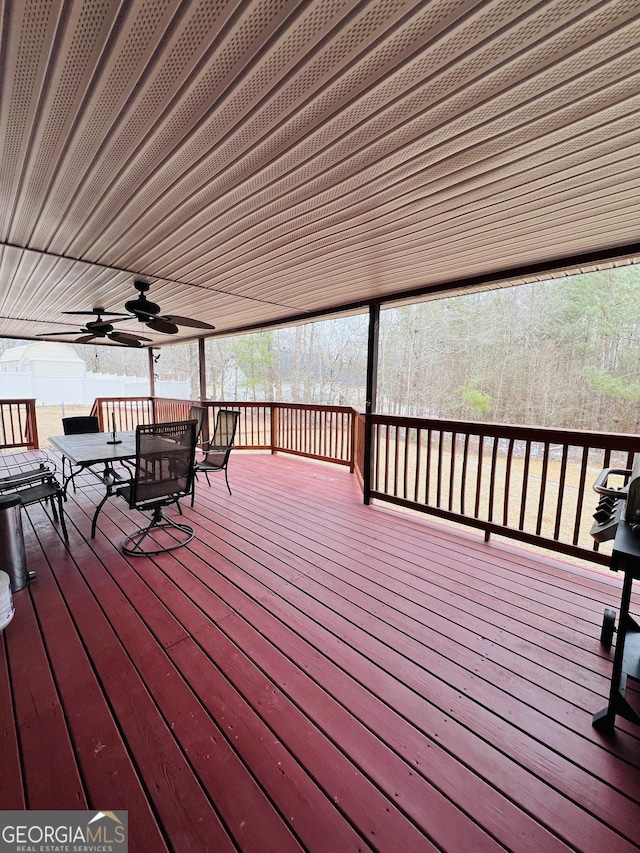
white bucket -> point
(6, 601)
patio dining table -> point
(92, 450)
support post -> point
(202, 365)
(372, 392)
(152, 378)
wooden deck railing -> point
(18, 425)
(530, 484)
(126, 413)
(319, 432)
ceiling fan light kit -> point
(141, 306)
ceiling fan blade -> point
(187, 321)
(138, 314)
(85, 339)
(51, 334)
(124, 337)
(96, 313)
(159, 324)
(125, 342)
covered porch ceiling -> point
(260, 162)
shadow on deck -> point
(311, 673)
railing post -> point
(353, 432)
(275, 426)
(368, 458)
(32, 425)
(202, 369)
(152, 376)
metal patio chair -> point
(218, 449)
(76, 425)
(164, 471)
(198, 414)
(33, 478)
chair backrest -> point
(80, 424)
(164, 462)
(198, 414)
(225, 431)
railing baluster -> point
(439, 471)
(463, 477)
(416, 479)
(507, 483)
(376, 457)
(580, 496)
(407, 440)
(559, 503)
(428, 474)
(525, 484)
(476, 509)
(543, 487)
(492, 478)
(396, 458)
(452, 468)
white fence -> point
(82, 390)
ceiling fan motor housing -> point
(141, 305)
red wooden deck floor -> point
(313, 674)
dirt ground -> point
(50, 419)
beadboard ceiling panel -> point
(262, 161)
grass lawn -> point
(50, 419)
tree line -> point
(557, 353)
(562, 353)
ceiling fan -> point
(148, 312)
(100, 328)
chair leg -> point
(62, 521)
(227, 479)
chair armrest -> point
(23, 477)
(214, 448)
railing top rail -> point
(314, 406)
(122, 399)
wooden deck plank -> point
(465, 743)
(448, 632)
(483, 801)
(247, 813)
(441, 630)
(546, 662)
(353, 677)
(293, 790)
(185, 812)
(107, 770)
(401, 831)
(382, 581)
(12, 786)
(51, 777)
(385, 759)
